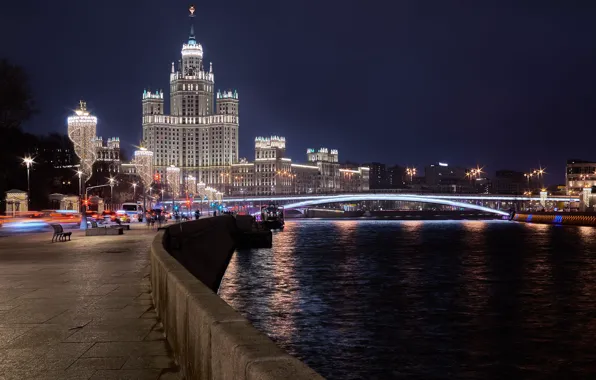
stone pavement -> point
(80, 309)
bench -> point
(59, 234)
(104, 231)
(123, 226)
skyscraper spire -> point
(192, 27)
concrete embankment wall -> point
(577, 219)
(209, 338)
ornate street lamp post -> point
(28, 161)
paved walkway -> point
(79, 309)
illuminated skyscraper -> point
(200, 135)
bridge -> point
(493, 203)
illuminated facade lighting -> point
(143, 162)
(190, 185)
(82, 130)
(173, 179)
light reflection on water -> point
(392, 299)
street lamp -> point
(111, 181)
(411, 172)
(540, 174)
(529, 177)
(134, 191)
(83, 225)
(28, 161)
(80, 174)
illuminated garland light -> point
(173, 178)
(82, 130)
(143, 162)
(191, 185)
(192, 50)
(270, 142)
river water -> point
(425, 300)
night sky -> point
(505, 84)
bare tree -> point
(16, 97)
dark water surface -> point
(425, 300)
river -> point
(425, 300)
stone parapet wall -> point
(209, 338)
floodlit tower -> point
(227, 102)
(82, 128)
(173, 178)
(152, 103)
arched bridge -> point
(474, 201)
(393, 197)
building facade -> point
(442, 178)
(378, 176)
(107, 160)
(395, 177)
(272, 173)
(327, 160)
(509, 182)
(579, 174)
(200, 135)
(354, 180)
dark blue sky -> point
(506, 84)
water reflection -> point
(390, 299)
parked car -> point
(108, 216)
(123, 217)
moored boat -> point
(272, 218)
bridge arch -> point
(392, 197)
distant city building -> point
(272, 173)
(378, 176)
(395, 177)
(441, 177)
(328, 162)
(579, 174)
(306, 179)
(242, 178)
(482, 185)
(200, 135)
(509, 182)
(272, 168)
(354, 180)
(55, 151)
(107, 159)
